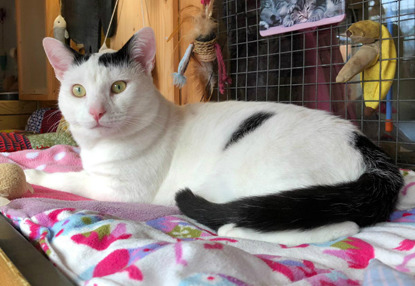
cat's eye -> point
(118, 86)
(78, 90)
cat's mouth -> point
(99, 125)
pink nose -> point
(97, 113)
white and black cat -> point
(260, 170)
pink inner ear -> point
(144, 48)
(59, 56)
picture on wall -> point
(281, 16)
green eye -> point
(118, 86)
(78, 90)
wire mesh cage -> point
(300, 67)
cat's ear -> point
(60, 57)
(142, 48)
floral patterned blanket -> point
(96, 243)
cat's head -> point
(104, 94)
(303, 15)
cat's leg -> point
(78, 183)
(293, 237)
(288, 21)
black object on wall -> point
(86, 19)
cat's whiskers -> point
(157, 122)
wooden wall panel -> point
(34, 21)
(31, 58)
(52, 11)
(162, 16)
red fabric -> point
(11, 142)
(323, 62)
(50, 121)
(223, 76)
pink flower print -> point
(117, 261)
(178, 250)
(34, 230)
(165, 224)
(404, 191)
(406, 245)
(225, 239)
(294, 270)
(296, 246)
(123, 260)
(53, 216)
(279, 267)
(402, 267)
(102, 237)
(213, 246)
(356, 252)
(49, 219)
(333, 278)
(141, 252)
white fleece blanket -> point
(95, 243)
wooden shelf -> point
(14, 113)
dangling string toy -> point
(104, 47)
(204, 49)
(179, 79)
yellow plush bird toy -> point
(12, 182)
(375, 60)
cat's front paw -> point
(227, 229)
(34, 176)
(288, 22)
(263, 25)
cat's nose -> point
(97, 113)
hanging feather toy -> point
(204, 49)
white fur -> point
(146, 148)
(293, 237)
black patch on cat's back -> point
(247, 126)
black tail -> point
(366, 201)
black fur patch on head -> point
(118, 58)
(78, 59)
(247, 126)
